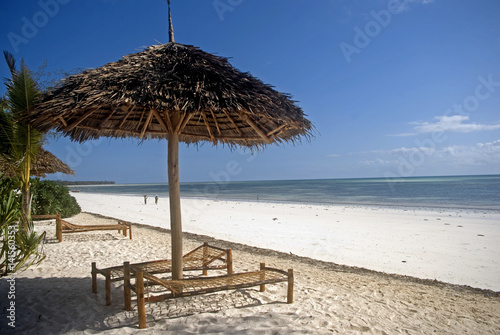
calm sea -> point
(477, 192)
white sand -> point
(454, 246)
(55, 297)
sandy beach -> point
(454, 246)
(327, 246)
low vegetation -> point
(52, 198)
(21, 246)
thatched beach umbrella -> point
(44, 163)
(175, 92)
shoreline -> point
(453, 246)
(406, 207)
(454, 192)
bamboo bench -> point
(197, 286)
(67, 227)
(202, 258)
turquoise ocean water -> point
(475, 192)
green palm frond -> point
(24, 141)
(19, 142)
(11, 61)
(6, 130)
(22, 92)
(30, 248)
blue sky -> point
(395, 88)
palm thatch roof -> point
(171, 89)
(44, 163)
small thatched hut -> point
(44, 163)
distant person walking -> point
(145, 199)
(156, 199)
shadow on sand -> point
(61, 305)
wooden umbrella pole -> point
(175, 205)
(170, 26)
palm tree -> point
(19, 142)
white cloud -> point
(456, 123)
(378, 162)
(479, 154)
(408, 161)
(403, 135)
(403, 151)
(404, 5)
(495, 145)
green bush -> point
(52, 198)
(20, 245)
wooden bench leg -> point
(127, 297)
(263, 277)
(229, 261)
(289, 297)
(141, 309)
(94, 278)
(108, 288)
(205, 256)
(120, 230)
(129, 230)
(59, 228)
